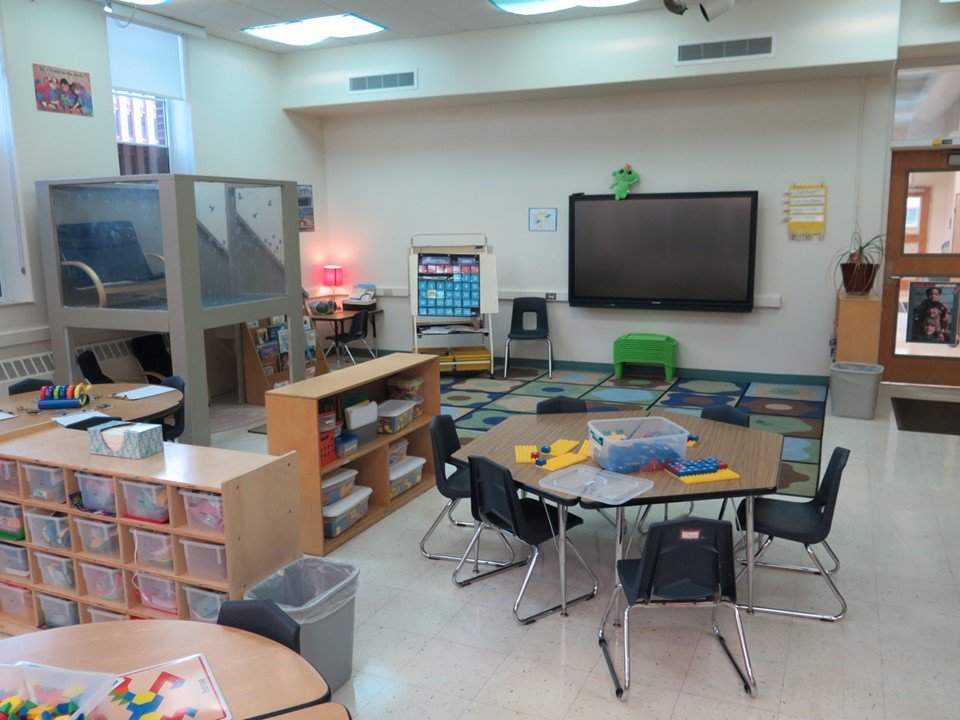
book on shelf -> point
(268, 351)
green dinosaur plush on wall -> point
(623, 179)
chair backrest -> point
(561, 404)
(358, 326)
(445, 442)
(90, 367)
(826, 497)
(27, 385)
(689, 559)
(172, 432)
(493, 497)
(110, 248)
(152, 354)
(524, 305)
(726, 414)
(262, 617)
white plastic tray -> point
(592, 483)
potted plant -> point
(858, 264)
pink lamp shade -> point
(332, 275)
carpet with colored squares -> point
(477, 403)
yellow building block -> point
(562, 447)
(561, 461)
(725, 474)
(523, 453)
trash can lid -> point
(870, 368)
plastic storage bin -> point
(152, 549)
(99, 538)
(394, 415)
(14, 560)
(357, 416)
(58, 612)
(405, 474)
(204, 510)
(45, 483)
(365, 433)
(337, 485)
(98, 615)
(205, 560)
(49, 529)
(97, 492)
(11, 521)
(15, 600)
(156, 592)
(854, 388)
(406, 389)
(342, 514)
(397, 450)
(319, 594)
(204, 605)
(8, 477)
(105, 583)
(145, 501)
(56, 571)
(630, 445)
(346, 444)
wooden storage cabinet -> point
(858, 328)
(260, 503)
(292, 424)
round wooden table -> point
(257, 676)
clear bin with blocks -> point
(337, 485)
(152, 549)
(49, 529)
(145, 501)
(14, 561)
(397, 450)
(9, 483)
(58, 612)
(56, 571)
(394, 415)
(204, 605)
(630, 445)
(16, 600)
(339, 516)
(205, 560)
(97, 492)
(405, 474)
(98, 538)
(204, 510)
(104, 583)
(45, 483)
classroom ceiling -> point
(402, 18)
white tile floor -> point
(427, 649)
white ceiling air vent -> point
(406, 80)
(722, 50)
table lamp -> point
(333, 278)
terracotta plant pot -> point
(858, 277)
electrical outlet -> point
(551, 296)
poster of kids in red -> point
(62, 91)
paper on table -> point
(144, 392)
(6, 415)
(78, 417)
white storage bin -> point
(337, 485)
(8, 477)
(56, 571)
(97, 492)
(405, 474)
(205, 560)
(11, 521)
(98, 615)
(48, 529)
(58, 612)
(156, 592)
(630, 445)
(359, 415)
(145, 501)
(342, 514)
(394, 415)
(99, 538)
(204, 510)
(15, 600)
(14, 560)
(152, 549)
(204, 605)
(397, 450)
(105, 583)
(45, 483)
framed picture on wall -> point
(542, 219)
(62, 91)
(933, 312)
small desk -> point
(339, 318)
(258, 677)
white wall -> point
(479, 168)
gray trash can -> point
(320, 595)
(853, 389)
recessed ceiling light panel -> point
(315, 30)
(539, 7)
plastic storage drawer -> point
(58, 612)
(152, 549)
(398, 450)
(356, 416)
(97, 492)
(56, 571)
(204, 510)
(98, 538)
(406, 389)
(45, 483)
(8, 477)
(14, 560)
(145, 501)
(394, 415)
(346, 444)
(204, 605)
(205, 560)
(11, 521)
(103, 583)
(156, 592)
(630, 445)
(405, 474)
(15, 600)
(337, 485)
(341, 515)
(48, 529)
(98, 615)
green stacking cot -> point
(646, 349)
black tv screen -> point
(678, 251)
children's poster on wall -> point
(305, 208)
(806, 212)
(542, 219)
(933, 312)
(62, 91)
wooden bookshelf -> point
(256, 379)
(292, 424)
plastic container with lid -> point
(56, 571)
(405, 474)
(14, 560)
(97, 492)
(205, 560)
(156, 592)
(99, 538)
(45, 483)
(400, 388)
(105, 583)
(9, 483)
(11, 521)
(337, 485)
(204, 510)
(394, 415)
(98, 615)
(58, 612)
(145, 501)
(16, 600)
(630, 445)
(204, 605)
(151, 549)
(359, 415)
(342, 514)
(397, 450)
(345, 444)
(49, 529)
